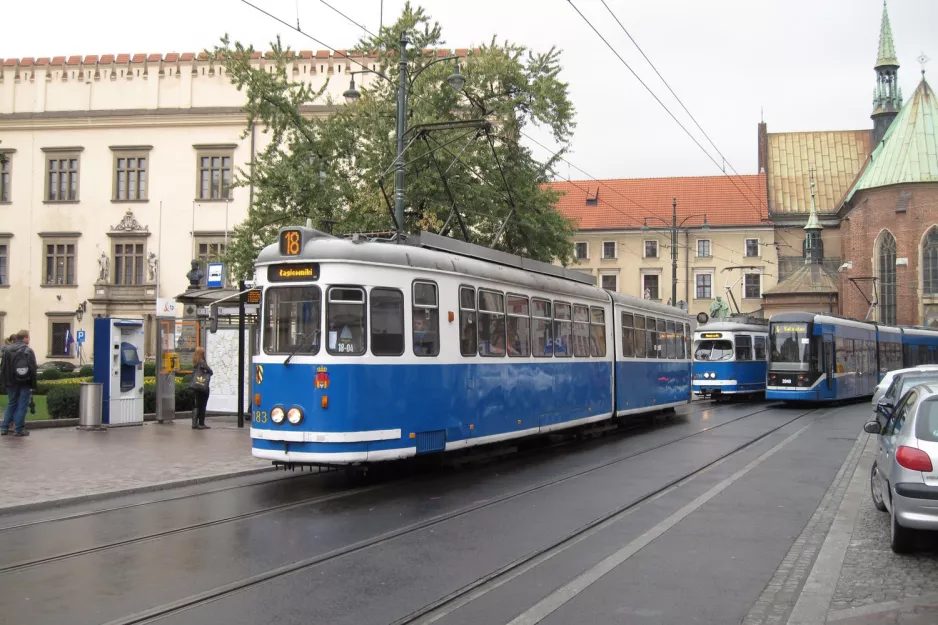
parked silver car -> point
(889, 376)
(901, 383)
(903, 480)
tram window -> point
(759, 343)
(687, 339)
(519, 327)
(597, 332)
(541, 328)
(387, 322)
(628, 335)
(639, 337)
(662, 338)
(426, 319)
(651, 338)
(743, 347)
(346, 319)
(563, 331)
(491, 323)
(670, 346)
(681, 342)
(467, 321)
(291, 319)
(581, 331)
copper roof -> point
(908, 152)
(811, 278)
(836, 158)
(624, 203)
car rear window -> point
(908, 381)
(926, 424)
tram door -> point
(829, 361)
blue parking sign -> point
(80, 336)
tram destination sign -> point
(293, 272)
(711, 335)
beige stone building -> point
(116, 175)
(723, 242)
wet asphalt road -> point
(333, 549)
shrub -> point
(86, 371)
(149, 369)
(51, 374)
(63, 401)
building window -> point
(59, 262)
(930, 263)
(128, 263)
(130, 177)
(703, 248)
(752, 247)
(752, 286)
(887, 278)
(704, 284)
(214, 175)
(60, 339)
(6, 167)
(4, 256)
(610, 282)
(581, 250)
(651, 249)
(62, 178)
(650, 286)
(609, 249)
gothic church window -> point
(930, 262)
(886, 272)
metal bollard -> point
(89, 406)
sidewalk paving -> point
(55, 466)
(844, 572)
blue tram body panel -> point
(644, 384)
(465, 402)
(729, 378)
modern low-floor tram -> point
(378, 351)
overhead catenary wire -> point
(662, 104)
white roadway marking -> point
(562, 595)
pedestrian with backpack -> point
(200, 383)
(18, 374)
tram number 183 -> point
(260, 416)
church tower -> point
(887, 97)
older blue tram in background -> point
(729, 357)
(815, 357)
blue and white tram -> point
(816, 357)
(730, 358)
(375, 351)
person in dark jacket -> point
(201, 381)
(18, 374)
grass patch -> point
(42, 411)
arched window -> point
(886, 257)
(930, 262)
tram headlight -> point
(276, 415)
(294, 415)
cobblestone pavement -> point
(60, 463)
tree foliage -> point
(326, 161)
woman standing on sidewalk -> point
(201, 381)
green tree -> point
(324, 161)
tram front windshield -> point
(791, 345)
(291, 319)
(713, 350)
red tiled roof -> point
(173, 57)
(624, 203)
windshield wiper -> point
(298, 346)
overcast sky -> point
(807, 63)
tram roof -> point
(731, 326)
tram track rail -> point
(170, 608)
(341, 494)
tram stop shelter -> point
(221, 346)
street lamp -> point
(405, 84)
(675, 226)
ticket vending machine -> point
(118, 367)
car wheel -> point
(876, 489)
(902, 537)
